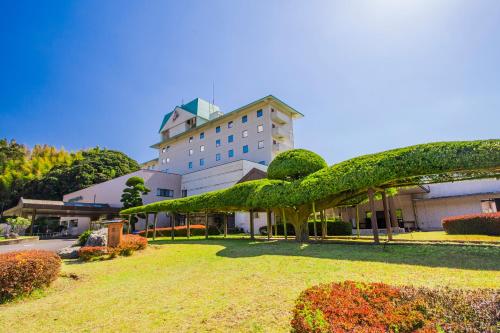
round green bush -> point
(295, 164)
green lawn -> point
(432, 236)
(231, 285)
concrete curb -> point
(20, 240)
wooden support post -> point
(226, 217)
(269, 226)
(154, 225)
(33, 219)
(392, 211)
(324, 227)
(275, 224)
(252, 231)
(284, 222)
(387, 216)
(314, 221)
(357, 221)
(206, 225)
(172, 225)
(371, 199)
(188, 226)
(146, 225)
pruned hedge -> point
(87, 253)
(181, 231)
(22, 272)
(334, 228)
(376, 307)
(473, 224)
(420, 164)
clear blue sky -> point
(368, 75)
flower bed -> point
(473, 224)
(22, 272)
(181, 231)
(376, 307)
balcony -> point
(279, 117)
(279, 133)
(279, 147)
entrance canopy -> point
(26, 207)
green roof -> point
(199, 107)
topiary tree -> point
(132, 196)
(335, 185)
(295, 164)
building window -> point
(244, 119)
(230, 153)
(190, 139)
(163, 150)
(217, 143)
(202, 135)
(230, 124)
(190, 152)
(163, 161)
(260, 145)
(274, 125)
(262, 162)
(168, 159)
(202, 148)
(260, 128)
(73, 223)
(190, 165)
(164, 192)
(202, 161)
(230, 138)
(259, 113)
(244, 134)
(217, 129)
(275, 142)
(184, 193)
(245, 149)
(217, 157)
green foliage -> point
(295, 164)
(473, 224)
(18, 223)
(82, 239)
(132, 195)
(420, 164)
(45, 172)
(336, 228)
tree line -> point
(45, 172)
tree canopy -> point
(132, 195)
(330, 186)
(46, 172)
(295, 164)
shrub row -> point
(87, 253)
(334, 228)
(181, 231)
(22, 272)
(476, 224)
(376, 307)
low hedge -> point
(376, 307)
(476, 224)
(181, 231)
(22, 272)
(334, 228)
(87, 253)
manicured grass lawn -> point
(423, 236)
(231, 285)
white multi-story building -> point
(202, 149)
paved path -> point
(46, 244)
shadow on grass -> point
(451, 256)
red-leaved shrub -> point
(22, 272)
(134, 242)
(376, 307)
(86, 253)
(181, 231)
(358, 307)
(475, 224)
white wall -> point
(242, 220)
